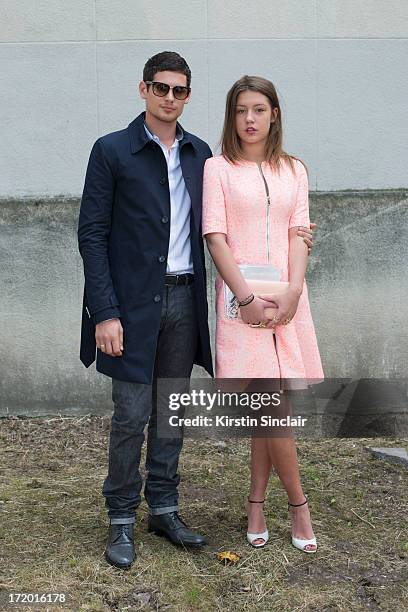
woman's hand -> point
(254, 312)
(287, 304)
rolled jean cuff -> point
(162, 510)
(122, 520)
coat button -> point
(165, 219)
(157, 298)
(162, 180)
(162, 258)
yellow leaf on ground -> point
(228, 557)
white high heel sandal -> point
(301, 543)
(252, 537)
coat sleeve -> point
(214, 213)
(300, 213)
(93, 236)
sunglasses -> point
(162, 89)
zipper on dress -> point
(268, 204)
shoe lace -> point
(123, 529)
(177, 519)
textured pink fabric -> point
(234, 203)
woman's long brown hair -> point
(230, 142)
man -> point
(145, 307)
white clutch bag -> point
(262, 280)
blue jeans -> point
(135, 405)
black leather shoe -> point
(172, 527)
(120, 548)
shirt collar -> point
(138, 136)
(179, 134)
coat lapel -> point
(191, 170)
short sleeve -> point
(214, 215)
(300, 214)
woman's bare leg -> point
(279, 452)
(282, 452)
(261, 465)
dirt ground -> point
(53, 527)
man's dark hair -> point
(166, 60)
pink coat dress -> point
(235, 204)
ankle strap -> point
(298, 505)
(253, 501)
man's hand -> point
(109, 337)
(307, 235)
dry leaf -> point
(228, 557)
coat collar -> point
(139, 138)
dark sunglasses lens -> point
(180, 93)
(160, 89)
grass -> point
(53, 527)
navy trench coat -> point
(123, 234)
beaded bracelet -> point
(247, 300)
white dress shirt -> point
(179, 260)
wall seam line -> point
(96, 70)
(242, 39)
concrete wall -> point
(69, 72)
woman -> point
(255, 198)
